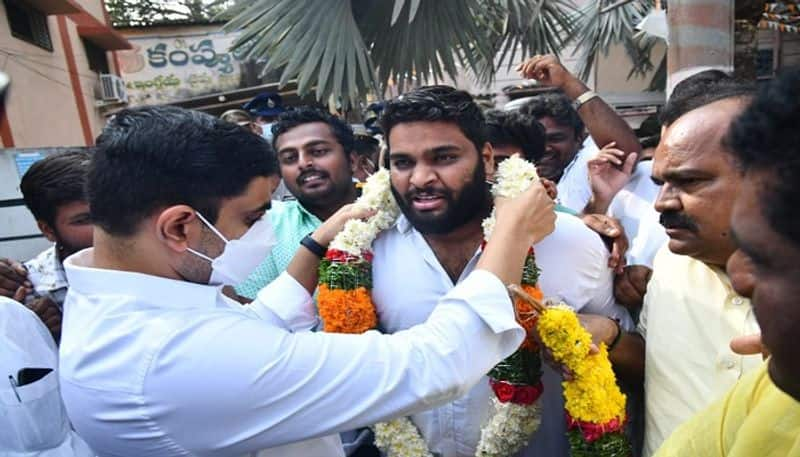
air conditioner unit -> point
(112, 89)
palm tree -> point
(348, 48)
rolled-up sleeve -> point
(243, 384)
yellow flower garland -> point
(592, 395)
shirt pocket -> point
(37, 420)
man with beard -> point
(690, 311)
(440, 158)
(761, 414)
(316, 157)
(53, 191)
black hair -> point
(557, 106)
(56, 180)
(700, 90)
(512, 128)
(161, 155)
(766, 138)
(308, 114)
(436, 103)
(366, 146)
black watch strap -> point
(312, 245)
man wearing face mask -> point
(156, 361)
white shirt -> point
(633, 207)
(408, 281)
(158, 367)
(47, 275)
(574, 187)
(33, 421)
(689, 316)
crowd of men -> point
(174, 313)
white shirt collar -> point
(82, 275)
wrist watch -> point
(583, 98)
(312, 245)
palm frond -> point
(524, 28)
(604, 23)
(315, 41)
(438, 37)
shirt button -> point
(737, 300)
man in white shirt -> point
(622, 187)
(33, 422)
(690, 311)
(53, 190)
(439, 157)
(156, 361)
(564, 116)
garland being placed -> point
(345, 303)
(594, 404)
(516, 381)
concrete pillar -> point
(701, 37)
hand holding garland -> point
(520, 223)
(304, 264)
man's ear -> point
(177, 227)
(46, 230)
(487, 155)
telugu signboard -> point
(164, 69)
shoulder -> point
(19, 324)
(42, 260)
(571, 234)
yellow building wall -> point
(40, 105)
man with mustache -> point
(761, 414)
(690, 311)
(316, 157)
(440, 157)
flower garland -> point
(344, 301)
(594, 404)
(516, 381)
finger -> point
(613, 258)
(593, 349)
(20, 294)
(747, 344)
(610, 145)
(613, 151)
(20, 269)
(567, 374)
(630, 163)
(13, 271)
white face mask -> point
(241, 256)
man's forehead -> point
(425, 136)
(694, 139)
(305, 133)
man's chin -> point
(683, 246)
(785, 376)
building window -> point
(96, 57)
(28, 24)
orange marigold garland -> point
(344, 300)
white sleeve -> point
(574, 267)
(289, 301)
(244, 385)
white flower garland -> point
(400, 437)
(511, 426)
(357, 236)
(509, 429)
